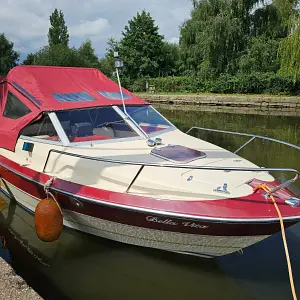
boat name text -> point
(173, 223)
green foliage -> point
(142, 47)
(225, 36)
(215, 35)
(86, 52)
(286, 8)
(30, 59)
(289, 52)
(8, 56)
(59, 55)
(107, 62)
(171, 63)
(254, 83)
(261, 56)
(58, 32)
(267, 21)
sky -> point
(26, 22)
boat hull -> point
(161, 232)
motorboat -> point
(120, 170)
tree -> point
(289, 51)
(8, 56)
(30, 59)
(58, 32)
(171, 63)
(107, 62)
(142, 47)
(213, 36)
(195, 3)
(267, 21)
(286, 9)
(86, 52)
(219, 32)
(261, 56)
(59, 55)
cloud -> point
(26, 22)
(174, 40)
(89, 28)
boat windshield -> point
(147, 118)
(94, 124)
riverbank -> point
(12, 286)
(247, 101)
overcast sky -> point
(26, 22)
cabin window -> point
(41, 129)
(147, 118)
(74, 97)
(114, 95)
(15, 108)
(94, 124)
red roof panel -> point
(43, 83)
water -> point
(79, 266)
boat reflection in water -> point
(81, 266)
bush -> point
(255, 83)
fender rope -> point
(47, 186)
(268, 191)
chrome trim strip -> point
(37, 140)
(100, 142)
(27, 95)
(182, 166)
(157, 212)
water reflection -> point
(80, 266)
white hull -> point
(200, 245)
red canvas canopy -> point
(42, 82)
(43, 88)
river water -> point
(79, 266)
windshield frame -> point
(151, 134)
(141, 134)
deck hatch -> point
(178, 153)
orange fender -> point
(48, 220)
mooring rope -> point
(268, 191)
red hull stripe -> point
(151, 221)
(247, 209)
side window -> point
(41, 129)
(14, 108)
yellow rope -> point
(3, 240)
(268, 190)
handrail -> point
(182, 166)
(245, 134)
(253, 137)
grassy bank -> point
(207, 94)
